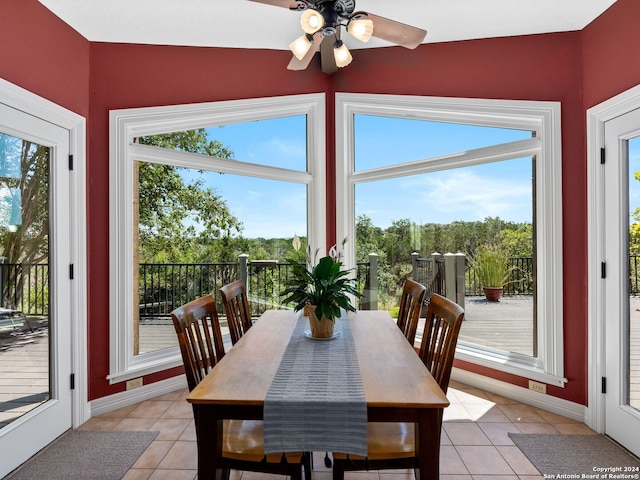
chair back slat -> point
(199, 337)
(413, 294)
(236, 308)
(440, 337)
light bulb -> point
(341, 54)
(311, 21)
(300, 46)
(361, 28)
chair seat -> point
(387, 440)
(244, 440)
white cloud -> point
(446, 196)
(466, 195)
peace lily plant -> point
(322, 289)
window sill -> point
(515, 364)
(169, 358)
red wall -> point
(611, 50)
(42, 54)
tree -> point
(24, 232)
(519, 241)
(177, 216)
(634, 228)
(367, 238)
(396, 241)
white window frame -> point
(543, 118)
(124, 126)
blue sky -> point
(277, 209)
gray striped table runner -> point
(316, 401)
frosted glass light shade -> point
(311, 21)
(342, 55)
(361, 28)
(300, 46)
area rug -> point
(86, 455)
(578, 456)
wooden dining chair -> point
(236, 307)
(199, 336)
(391, 445)
(411, 301)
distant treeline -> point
(393, 245)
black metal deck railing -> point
(163, 287)
(25, 287)
(431, 273)
(520, 279)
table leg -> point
(209, 440)
(428, 443)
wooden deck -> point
(506, 325)
(24, 370)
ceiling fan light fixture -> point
(301, 46)
(361, 28)
(341, 54)
(311, 21)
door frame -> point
(597, 116)
(32, 104)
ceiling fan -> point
(321, 21)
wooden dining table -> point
(397, 385)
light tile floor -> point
(475, 440)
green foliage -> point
(634, 228)
(634, 239)
(182, 221)
(518, 241)
(395, 244)
(193, 141)
(326, 286)
(491, 265)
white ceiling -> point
(246, 24)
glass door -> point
(35, 358)
(622, 284)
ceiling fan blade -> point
(327, 58)
(290, 4)
(396, 32)
(296, 64)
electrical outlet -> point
(135, 383)
(537, 387)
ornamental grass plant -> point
(491, 265)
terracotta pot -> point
(492, 294)
(320, 327)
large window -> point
(458, 176)
(192, 187)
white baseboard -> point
(146, 392)
(549, 403)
